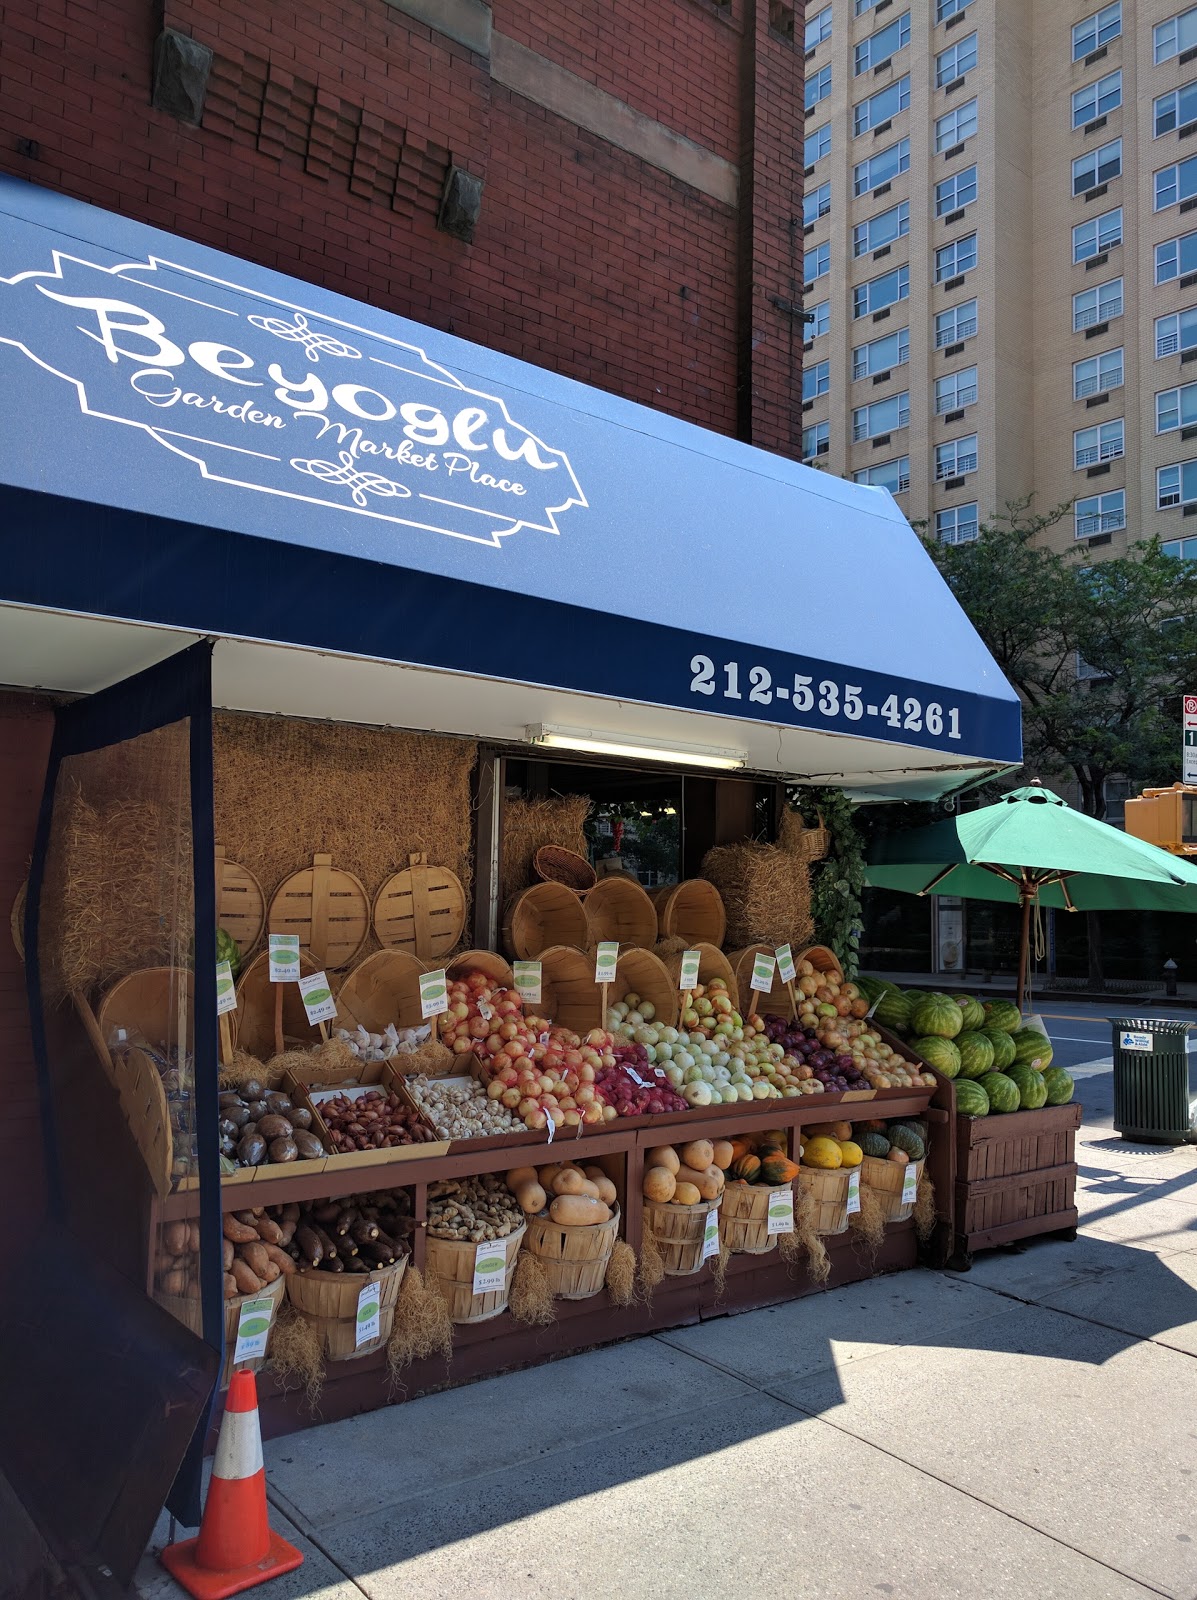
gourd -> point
(578, 1211)
(571, 1181)
(530, 1195)
(831, 1130)
(659, 1184)
(724, 1153)
(851, 1154)
(663, 1156)
(774, 1139)
(874, 1143)
(699, 1154)
(686, 1195)
(778, 1168)
(747, 1167)
(824, 1153)
(547, 1176)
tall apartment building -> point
(1003, 284)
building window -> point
(817, 145)
(955, 61)
(879, 46)
(956, 457)
(1097, 166)
(1102, 443)
(958, 257)
(1176, 109)
(891, 475)
(878, 169)
(816, 379)
(1176, 486)
(1176, 258)
(955, 126)
(1098, 234)
(816, 263)
(956, 192)
(883, 416)
(816, 202)
(818, 28)
(1180, 550)
(1100, 304)
(881, 355)
(1174, 37)
(1096, 30)
(1176, 332)
(1100, 513)
(956, 525)
(1175, 183)
(949, 8)
(880, 107)
(881, 292)
(822, 323)
(864, 5)
(816, 440)
(1176, 408)
(956, 324)
(818, 87)
(1096, 374)
(884, 228)
(957, 390)
(1097, 99)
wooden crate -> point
(1015, 1177)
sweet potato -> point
(174, 1282)
(230, 1286)
(226, 1246)
(246, 1278)
(174, 1238)
(239, 1232)
(281, 1259)
(255, 1257)
(269, 1231)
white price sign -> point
(316, 994)
(910, 1184)
(527, 981)
(367, 1315)
(763, 968)
(781, 1211)
(490, 1267)
(434, 993)
(688, 976)
(1189, 739)
(284, 957)
(853, 1191)
(786, 970)
(710, 1239)
(253, 1330)
(226, 994)
(605, 958)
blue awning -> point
(197, 444)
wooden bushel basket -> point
(885, 1179)
(553, 863)
(496, 969)
(777, 1002)
(569, 995)
(642, 973)
(574, 1259)
(618, 908)
(692, 910)
(744, 1219)
(829, 1190)
(329, 1302)
(450, 1264)
(189, 1313)
(678, 1232)
(712, 963)
(382, 989)
(543, 915)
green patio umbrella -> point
(1031, 848)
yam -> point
(193, 1238)
(255, 1257)
(231, 1290)
(686, 1194)
(725, 1153)
(578, 1211)
(226, 1246)
(174, 1282)
(281, 1259)
(520, 1175)
(664, 1155)
(174, 1238)
(699, 1154)
(239, 1232)
(659, 1184)
(269, 1231)
(531, 1196)
(246, 1278)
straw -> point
(531, 1298)
(621, 1274)
(297, 1354)
(924, 1209)
(766, 893)
(529, 824)
(868, 1229)
(421, 1327)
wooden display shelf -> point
(1015, 1178)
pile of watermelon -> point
(998, 1064)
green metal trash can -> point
(1151, 1079)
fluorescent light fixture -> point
(627, 744)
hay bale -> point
(529, 824)
(766, 893)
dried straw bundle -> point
(241, 1069)
(924, 1209)
(421, 1327)
(669, 947)
(868, 1228)
(719, 1271)
(765, 891)
(531, 1299)
(652, 1267)
(805, 1240)
(297, 1354)
(529, 824)
(621, 1273)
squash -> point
(823, 1153)
(777, 1168)
(686, 1195)
(747, 1167)
(531, 1196)
(606, 1189)
(659, 1184)
(725, 1153)
(775, 1139)
(547, 1176)
(715, 1175)
(663, 1156)
(871, 1126)
(708, 1187)
(874, 1144)
(570, 1181)
(740, 1147)
(578, 1211)
(699, 1154)
(850, 1153)
(830, 1130)
(519, 1175)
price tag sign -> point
(781, 1211)
(367, 1315)
(910, 1184)
(605, 959)
(635, 1077)
(786, 969)
(284, 957)
(434, 993)
(485, 1011)
(316, 994)
(853, 1191)
(550, 1129)
(710, 1239)
(226, 994)
(253, 1330)
(763, 968)
(527, 981)
(490, 1267)
(688, 977)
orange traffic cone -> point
(235, 1548)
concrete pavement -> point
(1024, 1430)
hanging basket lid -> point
(555, 864)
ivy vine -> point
(836, 882)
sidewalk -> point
(1024, 1430)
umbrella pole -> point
(1024, 947)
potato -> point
(663, 1156)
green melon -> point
(971, 1099)
(1032, 1049)
(1032, 1091)
(228, 950)
(874, 1144)
(939, 1053)
(937, 1015)
(972, 1010)
(893, 1011)
(903, 1138)
(1004, 1050)
(976, 1054)
(1059, 1086)
(1002, 1091)
(1003, 1014)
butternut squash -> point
(686, 1195)
(659, 1184)
(571, 1181)
(699, 1154)
(725, 1153)
(531, 1196)
(518, 1175)
(663, 1156)
(606, 1189)
(578, 1211)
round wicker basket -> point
(574, 1259)
(712, 963)
(829, 1190)
(678, 1233)
(569, 995)
(744, 1219)
(495, 968)
(618, 908)
(692, 910)
(777, 1002)
(886, 1179)
(642, 973)
(542, 915)
(449, 1264)
(329, 1301)
(552, 863)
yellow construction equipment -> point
(1166, 817)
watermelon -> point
(893, 1011)
(1003, 1048)
(874, 988)
(973, 1012)
(971, 1099)
(1003, 1093)
(939, 1053)
(976, 1054)
(1059, 1086)
(1003, 1014)
(227, 949)
(1032, 1049)
(937, 1015)
(1032, 1091)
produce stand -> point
(1015, 1178)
